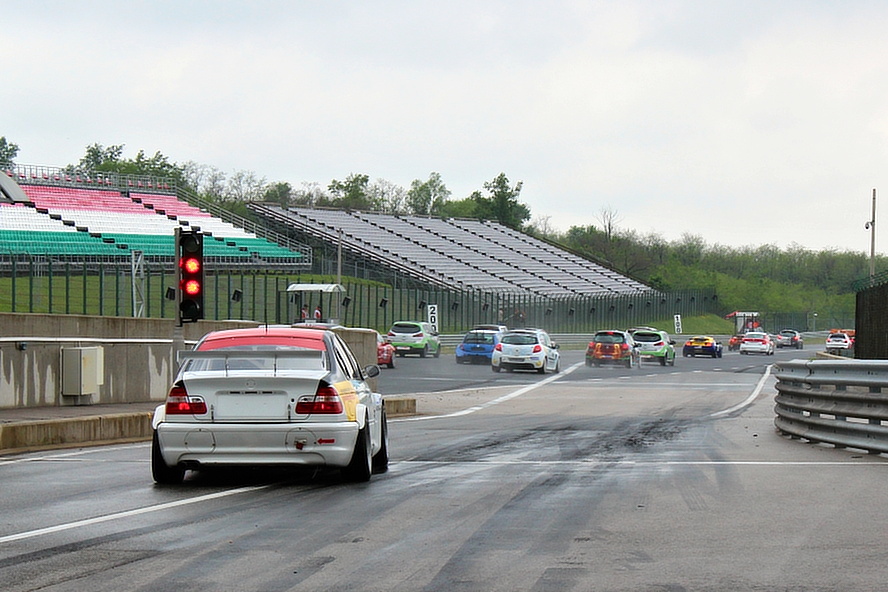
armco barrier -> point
(839, 402)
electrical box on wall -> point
(83, 370)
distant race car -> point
(613, 346)
(702, 345)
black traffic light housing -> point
(189, 275)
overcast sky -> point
(743, 122)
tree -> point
(244, 186)
(460, 208)
(279, 193)
(311, 194)
(427, 198)
(100, 158)
(109, 159)
(351, 194)
(387, 197)
(206, 180)
(8, 152)
(502, 205)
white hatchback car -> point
(755, 342)
(276, 396)
(526, 349)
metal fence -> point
(111, 288)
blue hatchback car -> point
(477, 346)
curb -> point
(75, 431)
(94, 430)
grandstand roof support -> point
(10, 191)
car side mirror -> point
(371, 371)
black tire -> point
(162, 473)
(391, 364)
(672, 361)
(663, 361)
(558, 366)
(360, 467)
(588, 363)
(438, 351)
(542, 369)
(495, 368)
(380, 460)
(424, 351)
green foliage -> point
(763, 278)
(460, 208)
(351, 194)
(428, 197)
(8, 152)
(110, 159)
(279, 193)
(502, 204)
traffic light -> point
(190, 272)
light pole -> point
(871, 226)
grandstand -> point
(75, 216)
(460, 254)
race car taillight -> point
(325, 400)
(179, 402)
(498, 347)
(624, 346)
(537, 348)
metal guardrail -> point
(839, 402)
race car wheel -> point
(162, 473)
(381, 458)
(495, 368)
(424, 352)
(360, 467)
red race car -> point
(385, 352)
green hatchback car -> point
(654, 345)
(414, 337)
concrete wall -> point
(138, 361)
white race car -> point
(270, 396)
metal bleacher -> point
(468, 254)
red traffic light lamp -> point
(190, 272)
